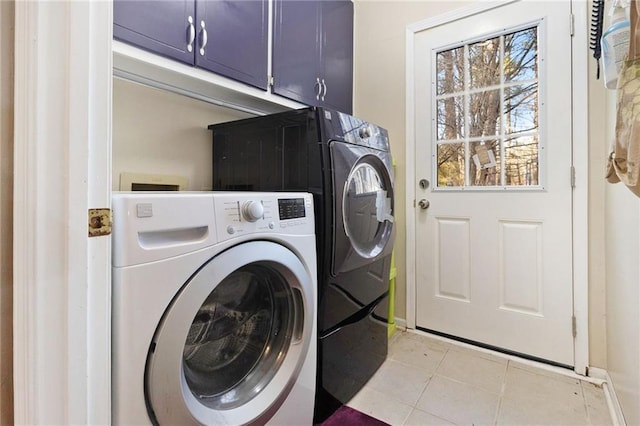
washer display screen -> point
(291, 208)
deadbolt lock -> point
(424, 183)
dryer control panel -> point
(239, 213)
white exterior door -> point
(493, 155)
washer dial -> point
(252, 210)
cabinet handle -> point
(319, 88)
(324, 90)
(204, 38)
(192, 34)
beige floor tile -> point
(547, 371)
(403, 381)
(428, 339)
(458, 402)
(597, 408)
(524, 383)
(469, 367)
(540, 411)
(418, 351)
(422, 418)
(481, 353)
(381, 406)
(427, 381)
(536, 397)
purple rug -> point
(347, 416)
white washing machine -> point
(214, 308)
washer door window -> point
(365, 206)
(237, 338)
(232, 342)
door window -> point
(487, 104)
(239, 336)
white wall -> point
(158, 132)
(6, 212)
(623, 289)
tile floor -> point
(429, 381)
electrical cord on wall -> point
(597, 17)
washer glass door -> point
(232, 342)
(238, 336)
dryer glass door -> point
(366, 209)
(364, 205)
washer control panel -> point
(250, 212)
(291, 208)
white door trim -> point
(580, 162)
(62, 282)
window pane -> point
(521, 161)
(484, 167)
(521, 55)
(451, 164)
(450, 71)
(484, 108)
(450, 118)
(484, 63)
(521, 108)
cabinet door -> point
(337, 55)
(296, 53)
(236, 39)
(158, 26)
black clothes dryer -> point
(346, 164)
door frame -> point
(62, 168)
(578, 26)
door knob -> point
(424, 204)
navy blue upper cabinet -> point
(224, 36)
(296, 53)
(236, 41)
(337, 55)
(313, 52)
(162, 27)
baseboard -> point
(615, 410)
(598, 373)
(401, 324)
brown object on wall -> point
(624, 161)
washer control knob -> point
(252, 210)
(231, 230)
